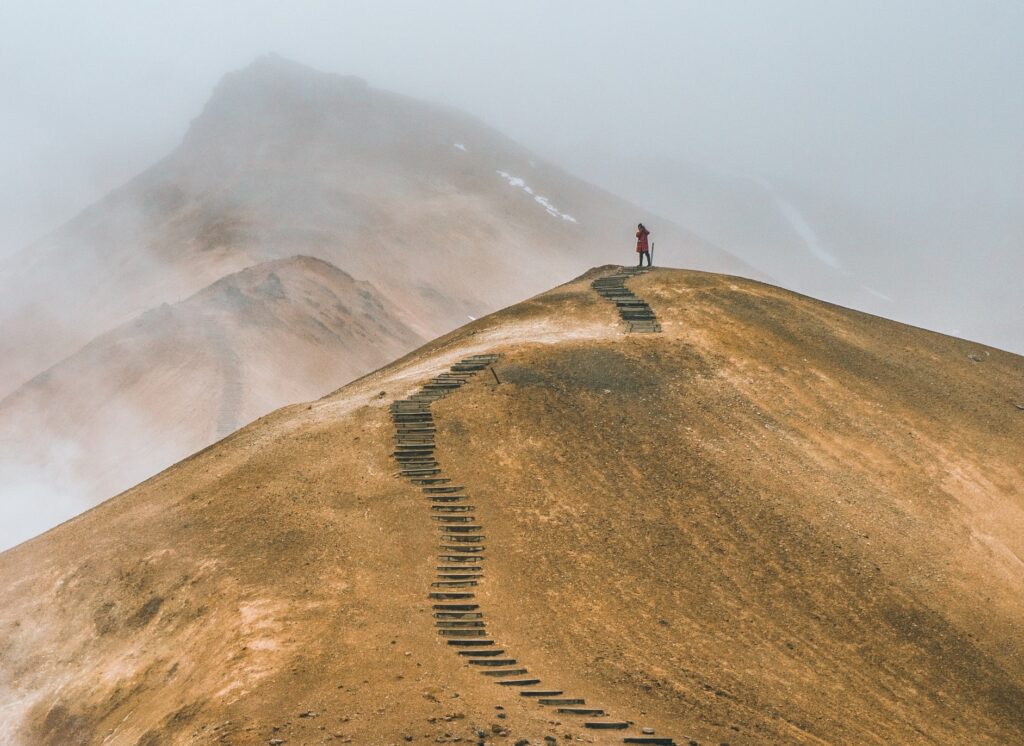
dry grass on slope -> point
(779, 521)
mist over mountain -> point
(312, 432)
(157, 388)
(953, 270)
(285, 160)
(441, 219)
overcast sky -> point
(920, 101)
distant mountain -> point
(162, 386)
(445, 218)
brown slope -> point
(175, 379)
(777, 521)
(286, 160)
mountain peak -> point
(272, 68)
(275, 92)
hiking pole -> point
(650, 259)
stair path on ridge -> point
(457, 616)
(230, 404)
(638, 317)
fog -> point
(913, 108)
(869, 153)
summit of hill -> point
(766, 519)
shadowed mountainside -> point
(776, 521)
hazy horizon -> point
(860, 98)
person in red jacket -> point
(642, 247)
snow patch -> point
(460, 146)
(877, 294)
(798, 222)
(516, 182)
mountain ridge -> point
(759, 525)
(175, 378)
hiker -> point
(642, 247)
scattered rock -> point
(275, 741)
(647, 731)
(406, 737)
(307, 714)
(522, 742)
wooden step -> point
(455, 607)
(458, 615)
(453, 584)
(492, 662)
(473, 624)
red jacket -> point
(641, 240)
